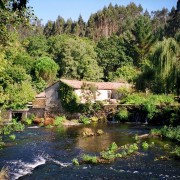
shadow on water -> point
(41, 153)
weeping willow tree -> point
(165, 58)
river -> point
(40, 153)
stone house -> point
(48, 102)
(104, 91)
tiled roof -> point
(100, 85)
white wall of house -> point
(100, 95)
(52, 98)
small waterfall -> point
(19, 168)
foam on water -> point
(60, 163)
(33, 127)
(19, 168)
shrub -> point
(12, 137)
(28, 121)
(84, 120)
(145, 145)
(113, 147)
(89, 159)
(59, 120)
(75, 162)
(122, 115)
(176, 152)
(156, 132)
(7, 129)
(18, 126)
(169, 132)
(98, 105)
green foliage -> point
(109, 154)
(169, 132)
(36, 46)
(156, 132)
(84, 120)
(6, 130)
(89, 159)
(75, 162)
(68, 98)
(149, 102)
(127, 73)
(122, 115)
(98, 105)
(17, 126)
(165, 66)
(112, 55)
(176, 152)
(145, 145)
(143, 38)
(77, 60)
(113, 147)
(28, 121)
(59, 120)
(20, 94)
(12, 137)
(46, 69)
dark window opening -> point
(17, 116)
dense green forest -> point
(117, 43)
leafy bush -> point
(113, 147)
(145, 145)
(122, 115)
(28, 121)
(18, 126)
(169, 132)
(89, 159)
(59, 120)
(7, 129)
(75, 162)
(84, 120)
(155, 132)
(176, 152)
(12, 137)
(98, 105)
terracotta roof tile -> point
(100, 85)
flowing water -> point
(46, 154)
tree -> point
(112, 55)
(36, 46)
(143, 41)
(173, 25)
(19, 94)
(77, 60)
(48, 28)
(46, 69)
(58, 26)
(165, 60)
(12, 13)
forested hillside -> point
(117, 43)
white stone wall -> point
(52, 99)
(100, 95)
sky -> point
(50, 9)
